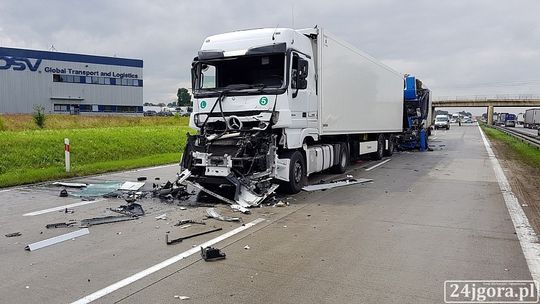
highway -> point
(427, 217)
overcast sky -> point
(457, 47)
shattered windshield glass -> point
(266, 71)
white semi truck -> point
(276, 105)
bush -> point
(2, 125)
(39, 116)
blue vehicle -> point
(507, 119)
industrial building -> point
(69, 83)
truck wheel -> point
(297, 172)
(390, 150)
(341, 167)
(380, 148)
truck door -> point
(300, 90)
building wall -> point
(74, 83)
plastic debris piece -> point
(246, 247)
(132, 209)
(13, 234)
(71, 185)
(280, 204)
(188, 221)
(63, 193)
(181, 297)
(240, 208)
(61, 225)
(162, 217)
(141, 178)
(57, 239)
(131, 186)
(212, 254)
(212, 213)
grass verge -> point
(522, 151)
(38, 155)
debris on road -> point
(132, 209)
(67, 210)
(95, 190)
(281, 204)
(246, 247)
(162, 217)
(57, 239)
(106, 220)
(70, 185)
(141, 178)
(339, 183)
(181, 297)
(240, 208)
(63, 193)
(179, 240)
(131, 186)
(61, 225)
(212, 254)
(212, 213)
(13, 234)
(226, 200)
(188, 221)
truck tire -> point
(380, 148)
(341, 167)
(391, 145)
(297, 172)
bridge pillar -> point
(490, 115)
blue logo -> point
(18, 63)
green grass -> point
(525, 153)
(24, 122)
(38, 155)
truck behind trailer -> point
(276, 105)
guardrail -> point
(502, 97)
(531, 140)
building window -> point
(85, 108)
(124, 81)
(95, 80)
(126, 109)
(88, 79)
(106, 80)
(113, 81)
(56, 78)
(61, 108)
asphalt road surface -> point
(521, 129)
(426, 218)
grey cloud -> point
(457, 47)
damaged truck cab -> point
(275, 105)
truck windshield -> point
(266, 71)
(441, 119)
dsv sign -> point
(18, 63)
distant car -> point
(149, 113)
(467, 120)
(510, 123)
(442, 122)
(165, 113)
(453, 120)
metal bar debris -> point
(106, 220)
(14, 234)
(336, 184)
(72, 185)
(188, 221)
(57, 239)
(131, 186)
(179, 240)
(226, 200)
(212, 254)
(61, 225)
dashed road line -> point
(63, 207)
(379, 164)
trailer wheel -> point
(341, 167)
(390, 150)
(380, 148)
(297, 172)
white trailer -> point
(532, 118)
(280, 104)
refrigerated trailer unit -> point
(532, 118)
(280, 104)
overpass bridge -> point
(488, 101)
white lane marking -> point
(157, 167)
(63, 207)
(526, 235)
(139, 275)
(379, 164)
(433, 138)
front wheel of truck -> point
(297, 172)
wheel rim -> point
(297, 172)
